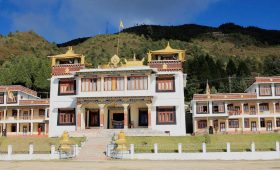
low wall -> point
(54, 154)
(204, 155)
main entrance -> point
(93, 119)
(118, 121)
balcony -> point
(66, 69)
(166, 65)
(234, 112)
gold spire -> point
(207, 91)
(70, 50)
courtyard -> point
(141, 165)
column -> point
(274, 121)
(45, 132)
(32, 114)
(18, 114)
(83, 124)
(5, 117)
(226, 125)
(273, 89)
(149, 115)
(242, 121)
(125, 82)
(101, 112)
(226, 110)
(125, 112)
(31, 128)
(5, 114)
(87, 118)
(194, 125)
(79, 116)
(17, 128)
(102, 83)
(210, 107)
(258, 108)
(149, 82)
(46, 113)
(242, 108)
(259, 123)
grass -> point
(41, 145)
(216, 143)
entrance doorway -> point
(254, 126)
(118, 121)
(143, 117)
(93, 118)
(269, 125)
(222, 127)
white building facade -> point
(119, 95)
(22, 112)
(255, 111)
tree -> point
(231, 68)
(243, 69)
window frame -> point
(260, 85)
(66, 109)
(275, 89)
(15, 93)
(172, 109)
(169, 78)
(66, 80)
(202, 122)
(129, 78)
(2, 94)
(94, 80)
(233, 125)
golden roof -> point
(70, 53)
(167, 50)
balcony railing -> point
(234, 112)
(24, 117)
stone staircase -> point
(97, 140)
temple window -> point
(137, 83)
(12, 97)
(264, 107)
(218, 107)
(165, 84)
(113, 83)
(202, 124)
(166, 115)
(41, 112)
(166, 57)
(202, 107)
(277, 122)
(90, 84)
(265, 90)
(233, 123)
(66, 117)
(277, 89)
(1, 98)
(67, 87)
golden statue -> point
(65, 144)
(121, 142)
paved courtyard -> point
(141, 165)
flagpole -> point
(118, 40)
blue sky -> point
(63, 20)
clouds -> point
(62, 20)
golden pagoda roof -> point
(70, 53)
(167, 50)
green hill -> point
(212, 53)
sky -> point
(63, 20)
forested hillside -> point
(228, 56)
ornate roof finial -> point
(207, 91)
(70, 50)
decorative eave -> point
(40, 102)
(114, 100)
(274, 79)
(18, 88)
(224, 96)
(112, 71)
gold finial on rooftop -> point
(70, 50)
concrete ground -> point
(140, 165)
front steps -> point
(114, 132)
